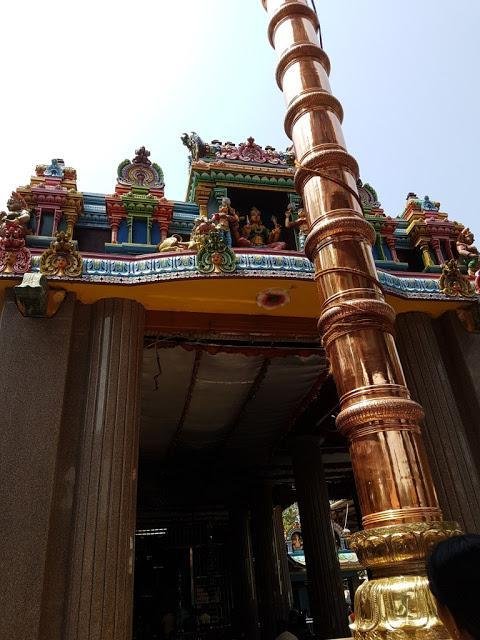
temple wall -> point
(446, 426)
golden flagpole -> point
(401, 515)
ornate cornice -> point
(216, 173)
(183, 266)
(143, 269)
(248, 152)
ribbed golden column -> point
(397, 497)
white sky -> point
(92, 81)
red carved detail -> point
(14, 256)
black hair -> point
(296, 621)
(453, 570)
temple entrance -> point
(215, 474)
(182, 581)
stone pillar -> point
(461, 354)
(282, 561)
(101, 574)
(243, 573)
(325, 589)
(61, 515)
(33, 374)
(453, 465)
(266, 567)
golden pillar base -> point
(396, 604)
(399, 607)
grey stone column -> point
(61, 515)
(245, 600)
(461, 353)
(325, 588)
(266, 565)
(453, 466)
(34, 362)
(101, 575)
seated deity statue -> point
(226, 221)
(17, 213)
(256, 234)
(467, 252)
(55, 169)
(301, 224)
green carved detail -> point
(242, 178)
(371, 190)
(280, 183)
(220, 193)
(376, 221)
(215, 256)
(138, 202)
(379, 245)
(295, 200)
(158, 169)
(122, 166)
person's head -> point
(466, 236)
(453, 570)
(296, 621)
(297, 541)
(255, 215)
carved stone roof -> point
(140, 172)
(245, 152)
(368, 196)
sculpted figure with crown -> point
(14, 256)
(256, 234)
(468, 253)
(226, 221)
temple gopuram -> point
(178, 376)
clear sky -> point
(91, 81)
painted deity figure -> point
(14, 255)
(452, 281)
(176, 244)
(226, 221)
(172, 244)
(300, 224)
(429, 205)
(17, 215)
(467, 252)
(55, 169)
(257, 234)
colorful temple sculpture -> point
(138, 212)
(14, 256)
(53, 198)
(177, 376)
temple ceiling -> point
(223, 406)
